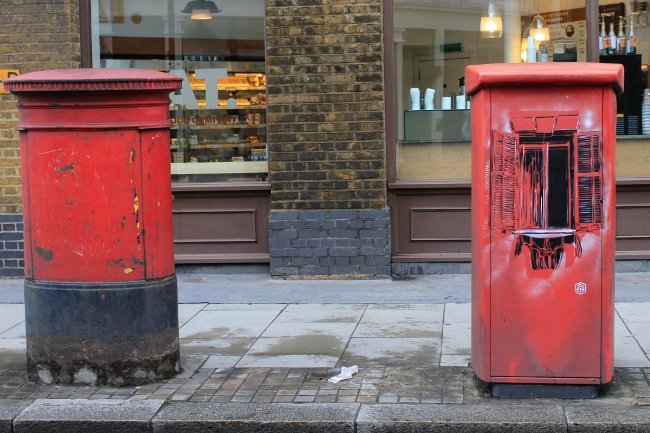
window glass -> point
(435, 40)
(219, 116)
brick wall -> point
(326, 116)
(34, 35)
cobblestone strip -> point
(255, 385)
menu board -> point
(568, 25)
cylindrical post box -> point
(101, 298)
(543, 221)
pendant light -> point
(201, 9)
(539, 29)
(491, 26)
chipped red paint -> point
(543, 186)
(94, 147)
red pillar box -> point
(543, 196)
(100, 289)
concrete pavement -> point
(257, 353)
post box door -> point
(546, 249)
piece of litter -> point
(346, 373)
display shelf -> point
(216, 126)
(245, 167)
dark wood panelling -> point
(432, 224)
(220, 226)
(439, 224)
(215, 225)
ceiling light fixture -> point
(200, 9)
(491, 26)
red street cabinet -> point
(543, 227)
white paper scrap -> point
(346, 373)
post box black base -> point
(508, 390)
(102, 333)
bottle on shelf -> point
(622, 45)
(631, 39)
(607, 43)
(603, 42)
(612, 39)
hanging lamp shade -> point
(491, 25)
(201, 9)
(539, 29)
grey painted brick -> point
(327, 224)
(276, 261)
(344, 270)
(356, 242)
(381, 224)
(279, 243)
(285, 270)
(300, 243)
(313, 234)
(356, 224)
(283, 234)
(315, 224)
(379, 233)
(382, 242)
(327, 261)
(305, 252)
(373, 213)
(358, 261)
(369, 224)
(284, 252)
(342, 261)
(337, 233)
(11, 218)
(11, 263)
(276, 225)
(374, 251)
(314, 270)
(343, 214)
(342, 224)
(12, 272)
(314, 243)
(347, 252)
(298, 225)
(319, 252)
(281, 216)
(7, 254)
(312, 215)
(11, 246)
(298, 261)
(382, 261)
(8, 227)
(328, 243)
(312, 261)
(375, 270)
(11, 236)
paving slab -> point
(245, 418)
(416, 418)
(226, 324)
(604, 419)
(80, 415)
(396, 352)
(7, 415)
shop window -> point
(219, 116)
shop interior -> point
(435, 40)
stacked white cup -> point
(428, 99)
(531, 50)
(446, 103)
(415, 99)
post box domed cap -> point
(92, 80)
(583, 74)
